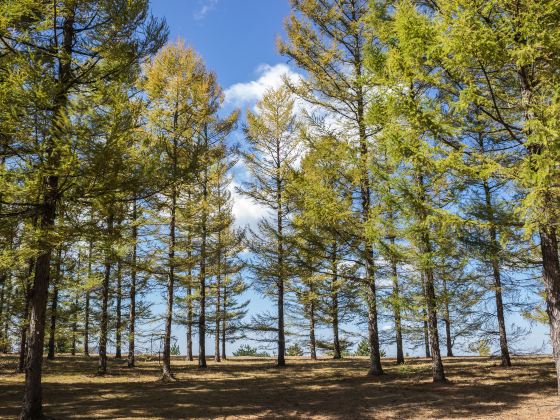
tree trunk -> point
(167, 375)
(33, 400)
(337, 353)
(312, 341)
(397, 308)
(102, 367)
(217, 357)
(551, 277)
(202, 279)
(447, 320)
(54, 305)
(224, 320)
(494, 243)
(281, 359)
(74, 323)
(6, 325)
(25, 317)
(87, 304)
(190, 357)
(118, 338)
(132, 293)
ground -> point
(250, 388)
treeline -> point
(410, 177)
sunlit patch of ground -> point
(250, 388)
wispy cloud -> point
(206, 7)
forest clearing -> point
(326, 388)
(304, 208)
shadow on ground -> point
(245, 388)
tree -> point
(273, 150)
(327, 39)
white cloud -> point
(269, 77)
(207, 7)
(247, 213)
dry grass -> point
(249, 388)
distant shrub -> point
(247, 351)
(363, 349)
(175, 351)
(294, 350)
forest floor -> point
(254, 388)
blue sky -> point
(237, 40)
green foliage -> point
(294, 350)
(246, 350)
(480, 347)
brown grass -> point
(250, 388)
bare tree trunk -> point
(551, 277)
(25, 317)
(74, 323)
(132, 293)
(337, 353)
(6, 325)
(504, 350)
(312, 341)
(217, 357)
(102, 367)
(190, 357)
(54, 305)
(87, 303)
(224, 320)
(118, 338)
(281, 359)
(447, 320)
(167, 375)
(397, 308)
(202, 301)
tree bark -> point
(447, 320)
(25, 317)
(131, 360)
(87, 303)
(337, 353)
(281, 360)
(224, 320)
(312, 341)
(118, 338)
(167, 375)
(102, 367)
(397, 307)
(551, 277)
(54, 305)
(217, 357)
(494, 244)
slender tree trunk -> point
(217, 357)
(312, 341)
(397, 308)
(3, 278)
(102, 367)
(493, 236)
(281, 360)
(25, 317)
(74, 324)
(431, 301)
(87, 303)
(190, 357)
(132, 293)
(33, 399)
(167, 375)
(202, 280)
(189, 297)
(337, 353)
(447, 320)
(224, 320)
(118, 338)
(54, 305)
(6, 326)
(425, 328)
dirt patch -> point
(253, 388)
